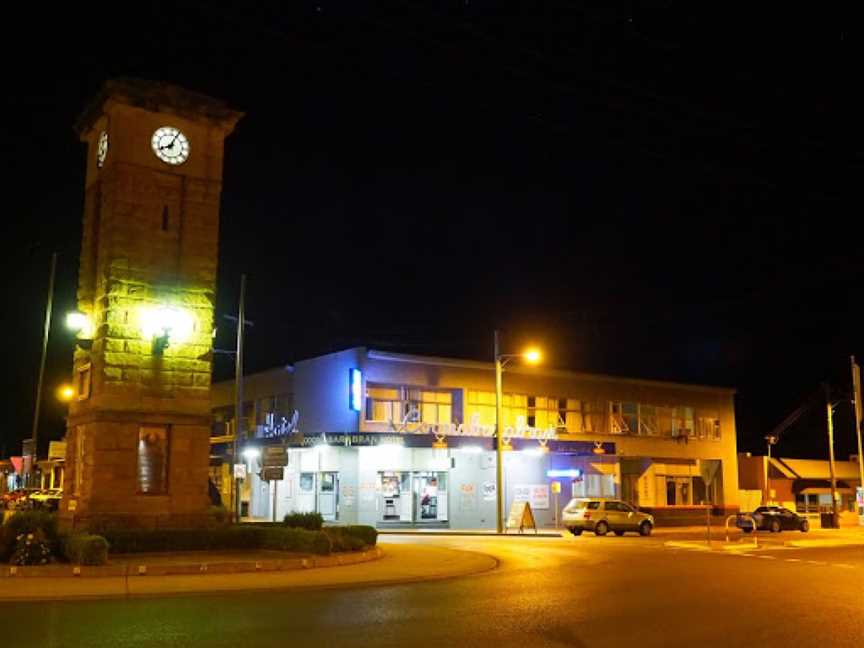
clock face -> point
(101, 149)
(170, 145)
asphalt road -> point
(573, 592)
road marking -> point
(817, 562)
(767, 557)
(843, 565)
(793, 560)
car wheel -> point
(805, 526)
(645, 528)
(775, 526)
(619, 533)
(601, 528)
(576, 532)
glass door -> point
(430, 497)
(328, 490)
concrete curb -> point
(804, 544)
(190, 568)
(435, 534)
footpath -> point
(205, 573)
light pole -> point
(772, 440)
(532, 356)
(47, 329)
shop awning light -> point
(573, 473)
(251, 453)
(473, 449)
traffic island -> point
(390, 565)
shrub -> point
(218, 516)
(368, 534)
(226, 538)
(85, 549)
(310, 521)
(31, 549)
(41, 523)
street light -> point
(65, 393)
(531, 356)
(771, 440)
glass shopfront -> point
(415, 497)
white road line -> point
(793, 560)
(817, 562)
(843, 565)
(767, 557)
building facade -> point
(400, 440)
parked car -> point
(48, 498)
(603, 515)
(17, 499)
(773, 519)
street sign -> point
(239, 471)
(556, 487)
(521, 517)
(273, 456)
(272, 473)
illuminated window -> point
(648, 422)
(153, 460)
(623, 418)
(408, 405)
(709, 428)
(515, 406)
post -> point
(767, 477)
(275, 485)
(831, 456)
(856, 388)
(499, 437)
(708, 522)
(48, 306)
(238, 391)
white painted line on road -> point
(817, 562)
(793, 560)
(767, 557)
(843, 565)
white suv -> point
(603, 515)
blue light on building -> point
(573, 473)
(355, 386)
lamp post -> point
(46, 330)
(771, 440)
(531, 356)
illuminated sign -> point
(572, 473)
(355, 389)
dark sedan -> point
(773, 519)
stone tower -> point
(138, 429)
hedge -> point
(310, 521)
(352, 538)
(236, 537)
(85, 549)
(36, 522)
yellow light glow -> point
(532, 356)
(66, 393)
(78, 322)
(158, 321)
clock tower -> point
(137, 451)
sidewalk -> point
(392, 564)
(695, 538)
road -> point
(573, 592)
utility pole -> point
(238, 391)
(856, 395)
(831, 455)
(49, 304)
(499, 436)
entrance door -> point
(670, 492)
(328, 489)
(430, 497)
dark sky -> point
(655, 189)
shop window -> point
(483, 403)
(623, 418)
(383, 404)
(153, 460)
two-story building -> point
(390, 439)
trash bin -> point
(827, 521)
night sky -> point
(652, 189)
